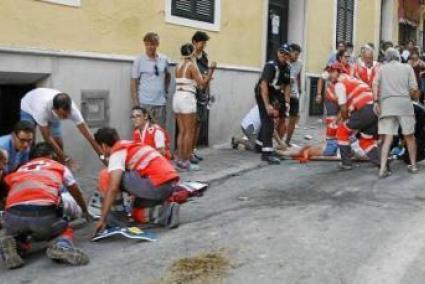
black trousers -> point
(265, 136)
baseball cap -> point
(285, 48)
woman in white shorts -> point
(188, 78)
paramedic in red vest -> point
(148, 133)
(367, 68)
(355, 101)
(142, 172)
(33, 210)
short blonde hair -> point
(151, 37)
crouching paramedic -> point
(33, 210)
(142, 172)
(355, 100)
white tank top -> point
(185, 84)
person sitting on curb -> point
(18, 145)
(33, 210)
(148, 133)
(142, 172)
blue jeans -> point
(54, 126)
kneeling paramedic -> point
(355, 100)
(33, 210)
(142, 172)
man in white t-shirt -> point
(46, 108)
(250, 125)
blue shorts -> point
(54, 126)
(331, 147)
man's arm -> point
(167, 80)
(45, 133)
(133, 86)
(264, 92)
(113, 189)
(320, 84)
(75, 192)
(83, 128)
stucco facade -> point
(118, 26)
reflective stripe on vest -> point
(358, 93)
(141, 159)
(31, 191)
(330, 94)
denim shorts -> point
(54, 126)
(331, 147)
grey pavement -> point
(293, 223)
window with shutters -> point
(203, 14)
(345, 20)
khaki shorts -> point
(390, 125)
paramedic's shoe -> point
(9, 253)
(413, 169)
(344, 167)
(63, 251)
(271, 159)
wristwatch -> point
(102, 157)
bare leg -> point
(180, 136)
(291, 128)
(385, 149)
(188, 124)
(411, 147)
(197, 131)
(281, 127)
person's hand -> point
(377, 109)
(319, 98)
(100, 226)
(270, 110)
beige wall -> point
(117, 26)
(367, 22)
(319, 41)
(321, 29)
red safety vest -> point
(358, 93)
(330, 94)
(147, 161)
(147, 137)
(361, 72)
(37, 182)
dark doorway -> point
(277, 27)
(10, 105)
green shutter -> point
(199, 10)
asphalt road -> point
(280, 224)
